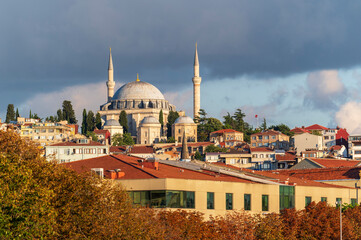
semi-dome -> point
(184, 119)
(149, 120)
(138, 90)
(111, 122)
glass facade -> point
(353, 201)
(247, 202)
(287, 197)
(163, 198)
(210, 200)
(229, 201)
(308, 200)
(264, 202)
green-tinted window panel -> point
(190, 200)
(210, 200)
(339, 200)
(353, 201)
(308, 200)
(229, 201)
(157, 199)
(247, 202)
(265, 205)
(287, 197)
(323, 199)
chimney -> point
(150, 163)
(113, 175)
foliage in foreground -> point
(42, 200)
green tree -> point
(10, 113)
(213, 148)
(98, 121)
(239, 119)
(283, 128)
(68, 112)
(264, 124)
(161, 120)
(206, 126)
(59, 115)
(173, 115)
(229, 122)
(93, 136)
(30, 115)
(123, 120)
(90, 121)
(122, 139)
(198, 155)
(170, 140)
(35, 116)
(17, 114)
(84, 126)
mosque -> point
(143, 103)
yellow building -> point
(270, 138)
(187, 125)
(208, 188)
(226, 137)
(46, 133)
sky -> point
(293, 62)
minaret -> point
(196, 86)
(110, 82)
(184, 153)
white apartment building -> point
(74, 151)
(354, 146)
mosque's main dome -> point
(138, 90)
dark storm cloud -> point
(47, 45)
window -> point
(98, 171)
(247, 202)
(259, 144)
(162, 198)
(323, 199)
(266, 137)
(326, 137)
(261, 156)
(264, 202)
(254, 155)
(273, 137)
(244, 161)
(229, 201)
(254, 138)
(260, 137)
(253, 144)
(210, 200)
(287, 197)
(338, 201)
(353, 201)
(308, 200)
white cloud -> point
(349, 117)
(324, 89)
(89, 96)
(182, 100)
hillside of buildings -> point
(42, 199)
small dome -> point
(138, 90)
(149, 120)
(111, 122)
(184, 119)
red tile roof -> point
(289, 157)
(268, 132)
(316, 127)
(299, 130)
(91, 143)
(279, 178)
(323, 173)
(141, 149)
(117, 149)
(100, 131)
(225, 131)
(335, 148)
(130, 166)
(261, 149)
(334, 163)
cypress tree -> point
(84, 126)
(90, 121)
(161, 121)
(30, 115)
(68, 112)
(10, 113)
(59, 115)
(17, 114)
(98, 121)
(123, 121)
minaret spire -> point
(110, 82)
(184, 153)
(196, 85)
